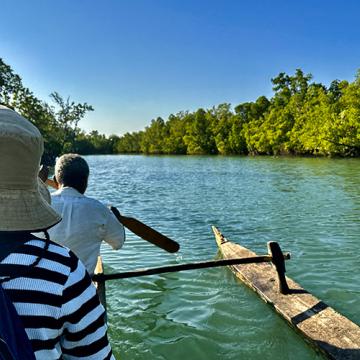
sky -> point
(135, 60)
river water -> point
(310, 206)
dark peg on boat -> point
(278, 260)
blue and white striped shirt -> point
(56, 301)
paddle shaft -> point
(183, 267)
(146, 232)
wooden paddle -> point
(146, 232)
(188, 266)
(138, 228)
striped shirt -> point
(56, 301)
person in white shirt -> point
(86, 222)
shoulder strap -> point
(14, 342)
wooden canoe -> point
(100, 286)
(330, 332)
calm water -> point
(311, 206)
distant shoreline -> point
(282, 156)
(302, 118)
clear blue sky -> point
(134, 60)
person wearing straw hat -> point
(48, 285)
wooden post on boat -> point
(277, 256)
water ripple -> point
(310, 206)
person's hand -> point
(43, 173)
(52, 182)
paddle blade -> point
(146, 232)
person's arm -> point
(114, 231)
(82, 316)
(44, 174)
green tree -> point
(58, 124)
(199, 138)
(129, 143)
(67, 115)
(153, 137)
(176, 129)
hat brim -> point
(26, 210)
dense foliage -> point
(57, 121)
(301, 118)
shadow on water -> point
(338, 353)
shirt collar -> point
(68, 191)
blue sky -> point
(134, 60)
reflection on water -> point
(311, 206)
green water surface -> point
(310, 206)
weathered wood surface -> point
(100, 286)
(333, 334)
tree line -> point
(301, 118)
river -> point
(310, 206)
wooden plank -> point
(100, 286)
(332, 333)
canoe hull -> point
(333, 334)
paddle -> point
(189, 266)
(138, 228)
(146, 232)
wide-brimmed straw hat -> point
(23, 205)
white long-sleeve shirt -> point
(85, 223)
